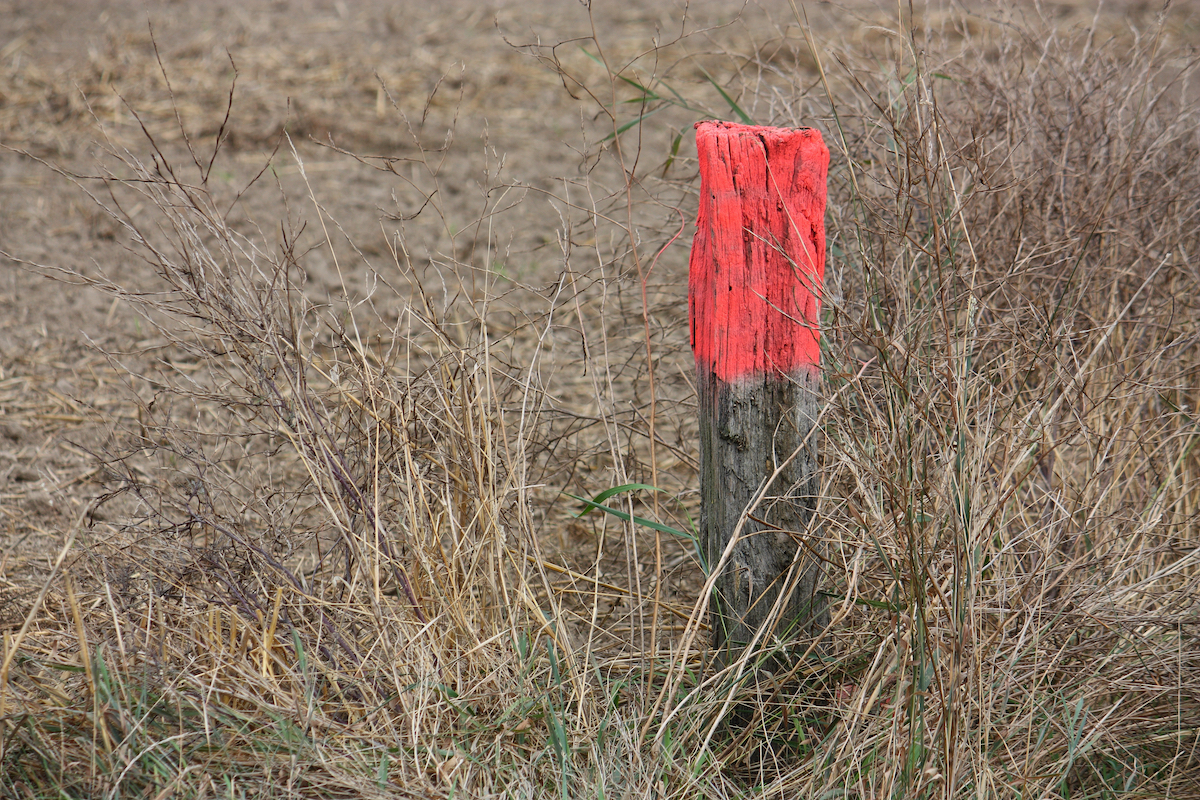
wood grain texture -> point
(758, 258)
(750, 432)
(757, 267)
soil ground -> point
(373, 77)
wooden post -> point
(754, 296)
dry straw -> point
(347, 568)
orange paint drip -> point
(758, 258)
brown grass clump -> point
(344, 567)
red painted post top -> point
(758, 257)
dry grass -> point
(344, 567)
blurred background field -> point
(314, 317)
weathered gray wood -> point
(749, 431)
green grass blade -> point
(650, 93)
(742, 115)
(636, 520)
(674, 152)
(625, 487)
(636, 121)
(648, 523)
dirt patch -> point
(459, 95)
